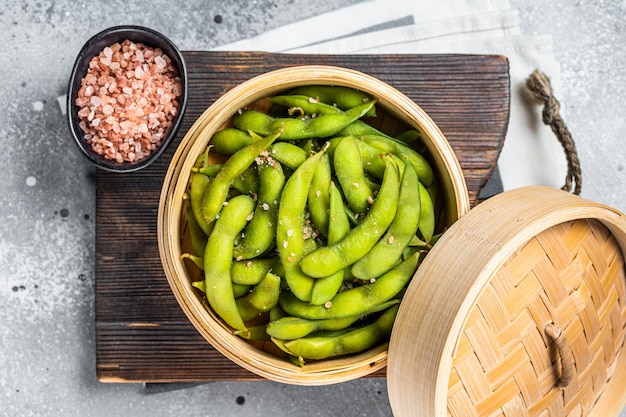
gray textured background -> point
(47, 197)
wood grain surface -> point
(141, 333)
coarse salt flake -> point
(160, 62)
(118, 91)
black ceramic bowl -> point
(92, 48)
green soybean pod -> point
(388, 250)
(351, 176)
(357, 300)
(209, 170)
(359, 128)
(318, 199)
(218, 257)
(292, 129)
(324, 289)
(217, 190)
(423, 168)
(354, 341)
(291, 225)
(197, 260)
(239, 290)
(327, 260)
(306, 104)
(409, 136)
(262, 298)
(252, 271)
(197, 235)
(342, 97)
(276, 313)
(427, 215)
(290, 328)
(246, 183)
(259, 235)
(198, 185)
(230, 140)
(253, 333)
(288, 154)
(373, 163)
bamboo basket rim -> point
(418, 376)
(196, 140)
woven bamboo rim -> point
(484, 339)
(171, 220)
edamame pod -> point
(252, 271)
(427, 214)
(351, 176)
(388, 250)
(259, 235)
(319, 127)
(209, 170)
(290, 230)
(318, 199)
(307, 105)
(198, 185)
(370, 155)
(325, 288)
(408, 136)
(262, 298)
(421, 165)
(359, 128)
(357, 300)
(198, 237)
(253, 333)
(290, 328)
(218, 257)
(342, 97)
(327, 260)
(288, 154)
(197, 260)
(217, 190)
(354, 341)
(239, 290)
(230, 140)
(247, 182)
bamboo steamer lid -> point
(519, 310)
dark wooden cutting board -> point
(141, 333)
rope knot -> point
(551, 110)
(539, 85)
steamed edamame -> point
(311, 224)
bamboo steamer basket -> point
(519, 310)
(396, 112)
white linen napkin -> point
(531, 155)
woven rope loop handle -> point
(539, 85)
(565, 352)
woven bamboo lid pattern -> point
(528, 319)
